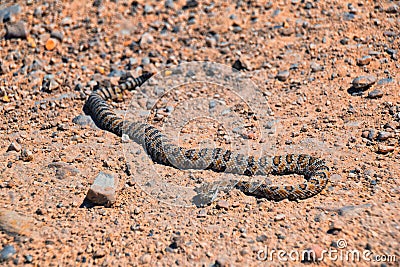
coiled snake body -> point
(162, 151)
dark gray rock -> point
(16, 31)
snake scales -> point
(162, 151)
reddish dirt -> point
(299, 59)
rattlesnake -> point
(162, 151)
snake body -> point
(161, 150)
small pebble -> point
(51, 43)
(145, 61)
(97, 3)
(49, 84)
(28, 258)
(336, 226)
(169, 4)
(365, 60)
(16, 31)
(371, 134)
(279, 217)
(261, 238)
(3, 69)
(393, 9)
(14, 146)
(283, 75)
(103, 190)
(26, 155)
(148, 9)
(57, 35)
(191, 4)
(382, 136)
(238, 65)
(100, 253)
(177, 242)
(125, 138)
(7, 252)
(364, 81)
(145, 258)
(202, 213)
(221, 262)
(345, 41)
(146, 38)
(385, 149)
(223, 204)
(376, 93)
(316, 67)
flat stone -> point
(13, 223)
(363, 81)
(375, 94)
(351, 210)
(365, 60)
(385, 149)
(283, 75)
(16, 31)
(84, 120)
(103, 190)
(279, 217)
(7, 252)
(261, 238)
(57, 35)
(223, 204)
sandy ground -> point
(316, 77)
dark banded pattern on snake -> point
(162, 151)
